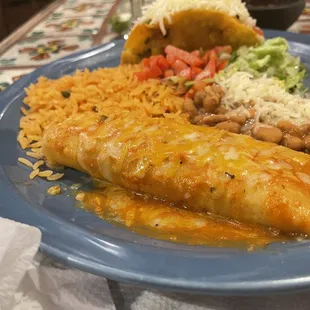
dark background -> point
(14, 13)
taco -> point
(190, 25)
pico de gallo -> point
(189, 71)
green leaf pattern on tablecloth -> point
(28, 40)
(101, 12)
(7, 61)
(38, 34)
(3, 86)
(43, 51)
(55, 16)
(90, 31)
(84, 38)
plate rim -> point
(235, 288)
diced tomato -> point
(199, 85)
(171, 59)
(223, 49)
(206, 57)
(196, 71)
(146, 62)
(142, 76)
(186, 73)
(154, 72)
(162, 63)
(168, 73)
(211, 67)
(153, 61)
(258, 31)
(222, 65)
(190, 94)
(178, 66)
(196, 53)
(203, 75)
(213, 55)
(184, 64)
(187, 57)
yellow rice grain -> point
(25, 162)
(24, 142)
(24, 111)
(55, 176)
(33, 174)
(36, 150)
(34, 137)
(38, 164)
(54, 190)
(80, 196)
(75, 186)
(36, 144)
(45, 173)
(21, 134)
(34, 155)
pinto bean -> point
(229, 126)
(285, 125)
(212, 120)
(267, 133)
(305, 128)
(238, 118)
(197, 119)
(290, 128)
(210, 104)
(293, 143)
(214, 95)
(199, 85)
(221, 110)
(189, 107)
(307, 142)
(198, 97)
(218, 89)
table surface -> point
(67, 26)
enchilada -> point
(204, 169)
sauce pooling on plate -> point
(165, 221)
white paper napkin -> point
(30, 281)
(48, 285)
(18, 245)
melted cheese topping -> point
(159, 10)
(232, 154)
(271, 101)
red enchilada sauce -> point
(161, 220)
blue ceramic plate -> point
(81, 240)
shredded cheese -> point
(161, 10)
(303, 177)
(269, 97)
(232, 154)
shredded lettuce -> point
(272, 59)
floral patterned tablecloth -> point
(68, 26)
(65, 27)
